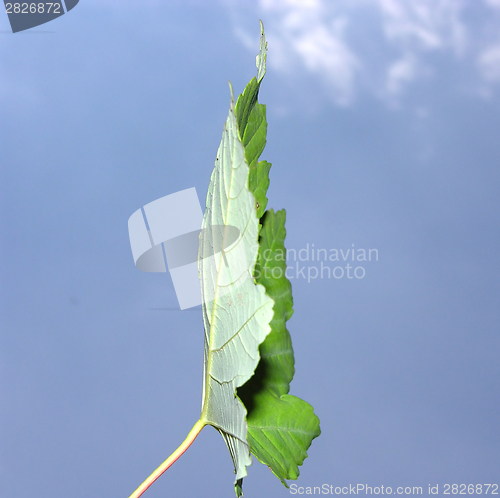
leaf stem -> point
(193, 433)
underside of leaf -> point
(236, 311)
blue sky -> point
(383, 129)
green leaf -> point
(280, 427)
(276, 368)
(252, 127)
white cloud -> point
(424, 24)
(493, 3)
(324, 53)
(400, 72)
(416, 28)
(387, 55)
(304, 35)
(489, 63)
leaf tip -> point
(260, 60)
(232, 93)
